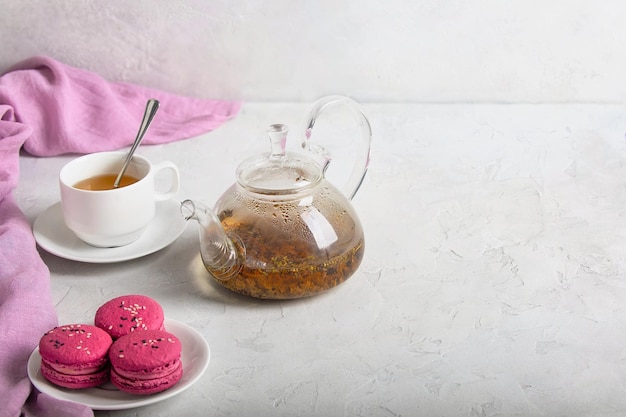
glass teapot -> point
(282, 230)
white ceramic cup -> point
(116, 217)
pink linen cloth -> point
(48, 108)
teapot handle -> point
(355, 179)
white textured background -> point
(493, 283)
(373, 50)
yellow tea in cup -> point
(104, 182)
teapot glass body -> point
(291, 246)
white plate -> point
(195, 357)
(52, 234)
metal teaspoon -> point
(151, 108)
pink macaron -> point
(129, 313)
(146, 362)
(75, 356)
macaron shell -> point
(75, 348)
(145, 352)
(128, 313)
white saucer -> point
(52, 234)
(195, 357)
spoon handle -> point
(151, 108)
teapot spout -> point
(220, 255)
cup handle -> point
(174, 175)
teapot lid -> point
(278, 172)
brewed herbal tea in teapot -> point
(282, 230)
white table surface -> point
(493, 283)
